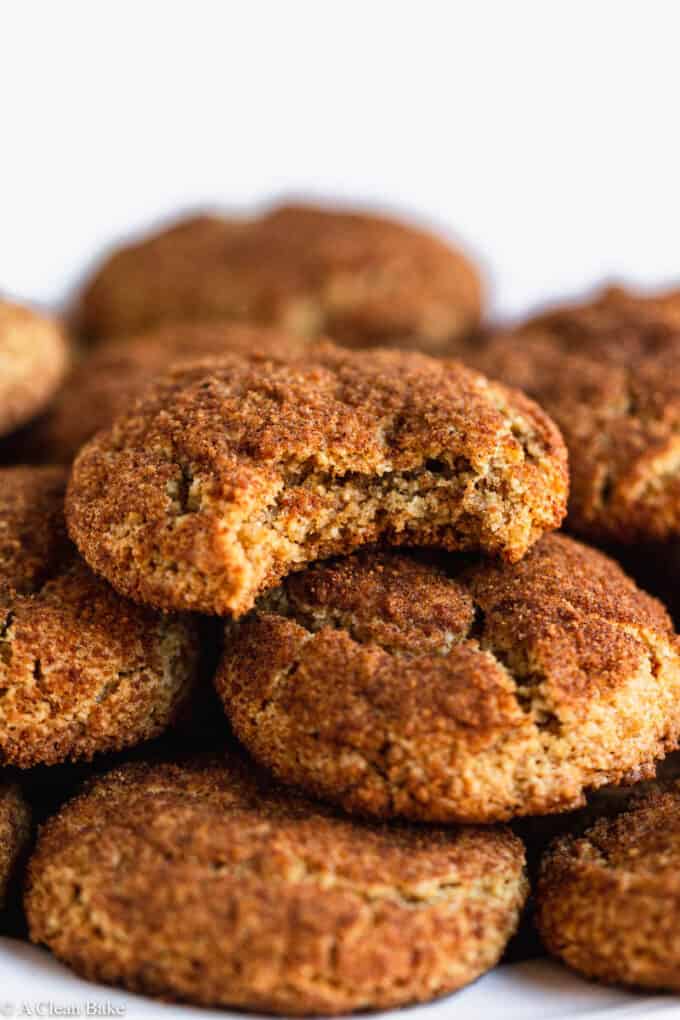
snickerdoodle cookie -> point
(608, 901)
(469, 692)
(359, 278)
(15, 828)
(82, 670)
(33, 362)
(228, 474)
(608, 372)
(205, 883)
(107, 381)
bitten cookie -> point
(33, 362)
(81, 669)
(108, 381)
(361, 279)
(608, 372)
(608, 902)
(229, 474)
(470, 693)
(262, 900)
(15, 830)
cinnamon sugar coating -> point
(608, 372)
(362, 279)
(228, 474)
(608, 902)
(262, 900)
(33, 361)
(81, 669)
(469, 692)
(33, 538)
(106, 382)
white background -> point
(543, 134)
(546, 135)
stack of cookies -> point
(267, 466)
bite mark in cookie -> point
(228, 474)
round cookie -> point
(33, 361)
(105, 383)
(33, 538)
(227, 475)
(15, 830)
(81, 669)
(608, 901)
(262, 900)
(362, 279)
(469, 693)
(608, 372)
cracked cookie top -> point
(81, 669)
(361, 279)
(33, 361)
(106, 382)
(608, 372)
(228, 474)
(459, 691)
(608, 900)
(235, 870)
(15, 830)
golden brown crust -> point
(362, 279)
(608, 902)
(229, 474)
(33, 539)
(105, 383)
(474, 694)
(33, 362)
(81, 669)
(262, 900)
(608, 372)
(15, 830)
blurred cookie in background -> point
(608, 372)
(34, 358)
(361, 279)
(607, 901)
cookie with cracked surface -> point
(82, 670)
(227, 475)
(608, 901)
(263, 900)
(15, 830)
(105, 383)
(362, 279)
(471, 693)
(608, 372)
(33, 361)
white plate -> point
(33, 983)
